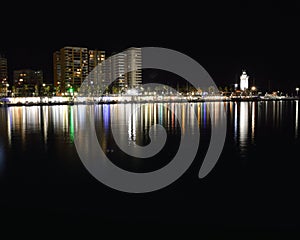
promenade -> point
(112, 99)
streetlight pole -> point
(43, 93)
(7, 90)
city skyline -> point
(57, 152)
(260, 38)
(225, 69)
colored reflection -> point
(71, 130)
(296, 118)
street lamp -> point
(57, 88)
(235, 86)
(43, 90)
(7, 91)
(297, 90)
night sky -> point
(224, 39)
(262, 38)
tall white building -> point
(244, 84)
(124, 69)
(133, 61)
(117, 69)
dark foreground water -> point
(254, 185)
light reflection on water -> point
(245, 119)
(243, 127)
(21, 122)
(250, 117)
(40, 169)
(296, 119)
(150, 114)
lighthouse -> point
(244, 81)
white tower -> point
(244, 81)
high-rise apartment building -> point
(120, 69)
(96, 73)
(3, 77)
(72, 65)
(57, 69)
(70, 68)
(133, 78)
(116, 69)
(3, 69)
(95, 57)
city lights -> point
(73, 64)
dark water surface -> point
(255, 183)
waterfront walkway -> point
(56, 100)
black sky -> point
(224, 39)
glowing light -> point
(204, 114)
(243, 126)
(244, 81)
(9, 123)
(45, 122)
(296, 119)
(106, 116)
(183, 119)
(132, 92)
(154, 114)
(253, 122)
(235, 121)
(71, 125)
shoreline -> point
(71, 103)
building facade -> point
(27, 82)
(133, 78)
(244, 84)
(95, 57)
(4, 85)
(95, 71)
(72, 65)
(124, 70)
(57, 70)
(116, 70)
